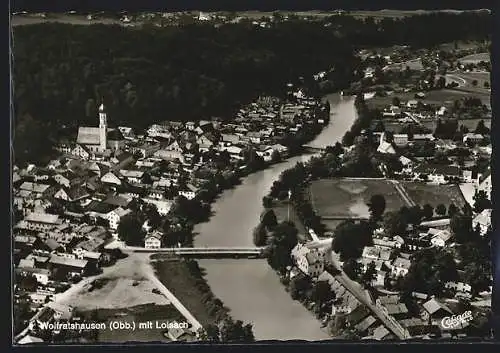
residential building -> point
(439, 238)
(400, 267)
(41, 221)
(434, 310)
(152, 241)
(483, 221)
(114, 217)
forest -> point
(149, 74)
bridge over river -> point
(207, 252)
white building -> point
(483, 220)
(114, 217)
(310, 261)
(400, 267)
(152, 241)
(439, 237)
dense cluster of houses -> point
(67, 213)
(418, 168)
(391, 260)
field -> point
(175, 275)
(125, 284)
(444, 97)
(345, 198)
(435, 194)
(475, 58)
(415, 65)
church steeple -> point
(103, 128)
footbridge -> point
(210, 252)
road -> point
(402, 192)
(358, 291)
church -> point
(97, 140)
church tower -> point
(103, 128)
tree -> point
(267, 202)
(298, 285)
(352, 269)
(474, 83)
(276, 156)
(377, 206)
(452, 210)
(486, 84)
(282, 241)
(260, 235)
(441, 82)
(427, 211)
(395, 224)
(235, 332)
(322, 292)
(396, 101)
(350, 239)
(268, 219)
(130, 230)
(481, 128)
(429, 270)
(481, 201)
(461, 227)
(441, 209)
(414, 215)
(369, 275)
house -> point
(400, 267)
(309, 261)
(41, 275)
(380, 333)
(163, 206)
(438, 173)
(230, 138)
(52, 246)
(152, 241)
(71, 267)
(484, 183)
(365, 324)
(110, 178)
(412, 104)
(384, 146)
(434, 310)
(81, 152)
(458, 287)
(189, 192)
(401, 140)
(73, 194)
(472, 138)
(37, 190)
(114, 217)
(177, 333)
(41, 221)
(482, 221)
(61, 311)
(440, 238)
(132, 176)
(169, 155)
(146, 150)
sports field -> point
(434, 195)
(347, 198)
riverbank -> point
(250, 288)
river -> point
(249, 287)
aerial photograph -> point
(247, 176)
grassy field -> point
(346, 198)
(444, 97)
(434, 194)
(414, 64)
(138, 314)
(175, 275)
(475, 58)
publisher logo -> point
(456, 321)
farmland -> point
(346, 198)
